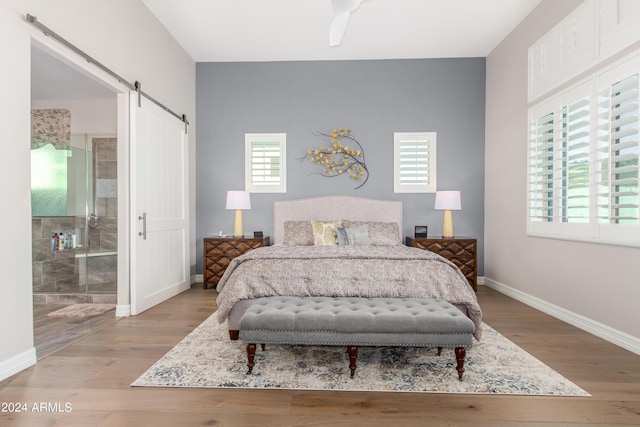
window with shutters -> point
(414, 162)
(584, 146)
(617, 153)
(575, 165)
(265, 167)
(541, 168)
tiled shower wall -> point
(55, 271)
(104, 238)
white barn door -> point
(159, 205)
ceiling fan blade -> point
(338, 28)
(341, 11)
(345, 5)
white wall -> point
(123, 35)
(597, 284)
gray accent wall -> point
(374, 99)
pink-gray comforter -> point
(345, 271)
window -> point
(594, 32)
(541, 168)
(49, 181)
(414, 162)
(265, 165)
(583, 155)
(617, 152)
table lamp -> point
(448, 201)
(238, 200)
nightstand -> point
(219, 251)
(462, 251)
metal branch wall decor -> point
(344, 156)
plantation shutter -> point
(265, 163)
(584, 152)
(415, 162)
(618, 152)
(575, 187)
(541, 161)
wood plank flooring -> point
(93, 374)
(52, 334)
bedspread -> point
(345, 271)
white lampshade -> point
(448, 201)
(238, 200)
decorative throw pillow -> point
(324, 233)
(297, 233)
(341, 235)
(353, 236)
(380, 233)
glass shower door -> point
(74, 212)
(58, 202)
(102, 203)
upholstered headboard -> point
(327, 208)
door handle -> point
(92, 220)
(143, 233)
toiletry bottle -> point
(54, 244)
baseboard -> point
(123, 310)
(480, 280)
(17, 363)
(598, 329)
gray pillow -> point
(298, 233)
(380, 233)
(341, 234)
(353, 235)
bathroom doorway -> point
(74, 202)
(74, 220)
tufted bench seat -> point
(354, 322)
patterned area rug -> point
(82, 310)
(207, 358)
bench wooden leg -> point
(353, 355)
(251, 354)
(460, 355)
(234, 334)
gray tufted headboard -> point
(326, 208)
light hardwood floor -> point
(93, 375)
(50, 334)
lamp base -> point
(238, 230)
(447, 225)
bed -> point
(368, 261)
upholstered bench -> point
(354, 322)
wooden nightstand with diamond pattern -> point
(219, 251)
(462, 251)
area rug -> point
(82, 310)
(206, 358)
